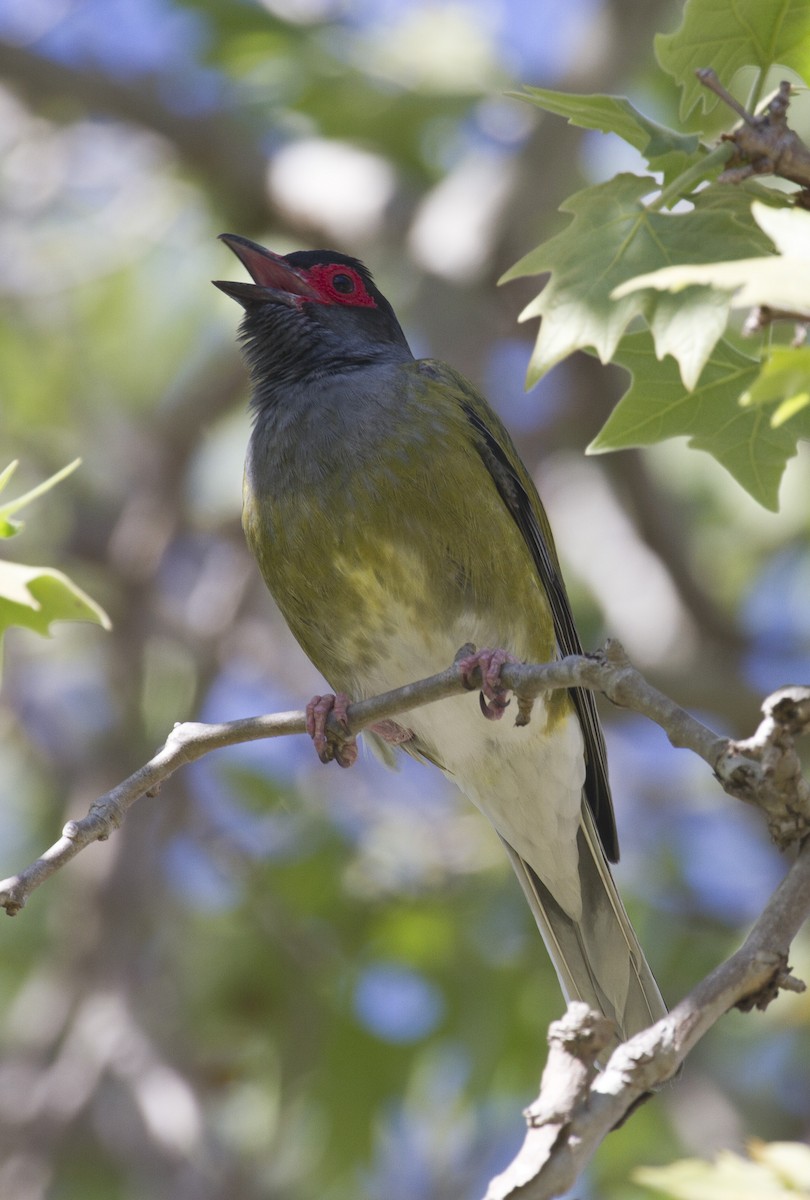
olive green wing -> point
(519, 495)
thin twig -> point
(769, 779)
(764, 144)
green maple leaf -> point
(657, 406)
(673, 164)
(776, 1171)
(616, 114)
(728, 37)
(34, 597)
(780, 281)
(790, 1162)
(610, 236)
(784, 381)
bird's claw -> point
(327, 745)
(494, 697)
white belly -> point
(526, 780)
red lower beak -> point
(270, 273)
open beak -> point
(273, 277)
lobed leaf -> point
(611, 114)
(657, 406)
(774, 1172)
(778, 281)
(610, 236)
(34, 597)
(728, 37)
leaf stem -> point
(755, 94)
(14, 506)
(7, 472)
(684, 182)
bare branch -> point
(764, 770)
(577, 1107)
(561, 1141)
(764, 144)
(764, 315)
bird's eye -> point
(343, 283)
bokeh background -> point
(282, 980)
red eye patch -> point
(336, 283)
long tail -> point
(599, 959)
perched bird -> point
(394, 522)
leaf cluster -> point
(773, 1170)
(33, 597)
(650, 267)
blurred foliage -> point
(781, 1169)
(280, 980)
(33, 597)
(633, 240)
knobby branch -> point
(577, 1105)
(763, 769)
(764, 144)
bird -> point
(398, 530)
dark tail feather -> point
(598, 960)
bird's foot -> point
(494, 697)
(327, 745)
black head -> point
(310, 312)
